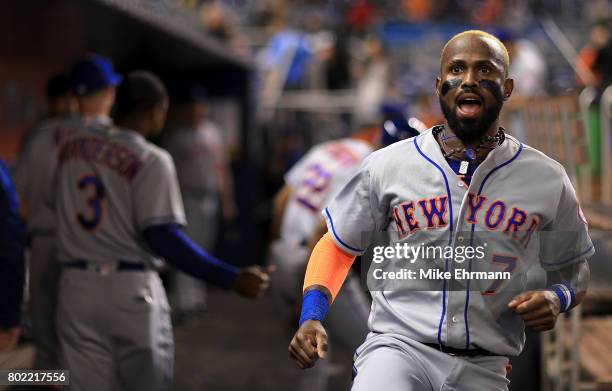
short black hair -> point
(140, 91)
(58, 85)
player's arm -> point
(540, 309)
(355, 210)
(326, 271)
(317, 234)
(159, 213)
(278, 210)
(170, 243)
(565, 246)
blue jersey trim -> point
(450, 236)
(11, 199)
(331, 222)
(467, 290)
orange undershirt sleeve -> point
(328, 266)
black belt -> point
(460, 352)
(105, 268)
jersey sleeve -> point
(156, 193)
(566, 239)
(355, 212)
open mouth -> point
(469, 105)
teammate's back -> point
(123, 181)
(315, 179)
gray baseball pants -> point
(114, 330)
(392, 362)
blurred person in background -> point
(61, 101)
(196, 144)
(603, 61)
(218, 21)
(598, 38)
(373, 80)
(34, 174)
(528, 65)
(529, 69)
(12, 269)
(297, 225)
(113, 316)
(602, 67)
(284, 61)
(360, 15)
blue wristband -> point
(566, 295)
(314, 306)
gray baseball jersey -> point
(35, 171)
(409, 192)
(198, 154)
(315, 179)
(111, 185)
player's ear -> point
(438, 81)
(508, 88)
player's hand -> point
(538, 309)
(253, 281)
(9, 338)
(308, 344)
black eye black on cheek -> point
(493, 87)
(448, 85)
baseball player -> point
(119, 210)
(34, 175)
(196, 145)
(450, 185)
(12, 269)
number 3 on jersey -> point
(92, 186)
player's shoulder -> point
(395, 154)
(50, 132)
(536, 160)
(56, 122)
(151, 154)
(138, 144)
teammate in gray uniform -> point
(310, 184)
(196, 145)
(119, 210)
(34, 175)
(451, 185)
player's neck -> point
(457, 141)
(455, 148)
(94, 112)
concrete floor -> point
(242, 345)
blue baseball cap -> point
(93, 73)
(395, 126)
